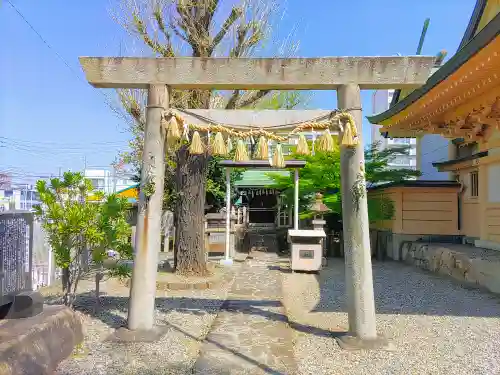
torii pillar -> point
(356, 234)
(148, 237)
(348, 75)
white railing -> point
(283, 219)
(44, 271)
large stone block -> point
(465, 264)
(21, 305)
(36, 345)
(488, 274)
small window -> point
(474, 184)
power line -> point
(14, 172)
(46, 149)
(106, 99)
(51, 143)
(437, 149)
(51, 153)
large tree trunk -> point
(189, 248)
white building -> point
(25, 196)
(424, 150)
(381, 100)
(109, 181)
(18, 197)
(432, 148)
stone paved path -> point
(251, 334)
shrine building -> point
(461, 102)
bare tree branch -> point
(251, 100)
(140, 28)
(158, 16)
(167, 26)
(231, 103)
(236, 13)
(133, 102)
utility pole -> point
(24, 200)
(114, 177)
(422, 36)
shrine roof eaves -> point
(417, 184)
(481, 40)
(477, 13)
(134, 186)
(447, 163)
(258, 178)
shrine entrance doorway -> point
(262, 205)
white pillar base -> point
(226, 262)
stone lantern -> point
(319, 209)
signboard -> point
(217, 238)
(216, 242)
(306, 254)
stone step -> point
(263, 242)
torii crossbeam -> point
(347, 75)
(324, 73)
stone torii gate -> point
(347, 75)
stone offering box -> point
(306, 249)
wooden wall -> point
(470, 218)
(492, 221)
(489, 189)
(470, 223)
(430, 211)
(421, 210)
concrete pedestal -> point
(348, 342)
(306, 249)
(319, 224)
(226, 262)
(124, 334)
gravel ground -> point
(436, 325)
(188, 314)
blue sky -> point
(50, 118)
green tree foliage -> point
(80, 223)
(376, 164)
(216, 181)
(322, 174)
